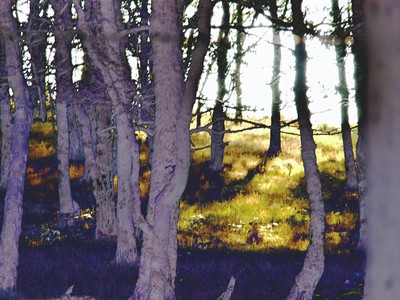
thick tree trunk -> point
(75, 141)
(313, 267)
(383, 143)
(171, 147)
(340, 47)
(218, 127)
(275, 132)
(106, 223)
(23, 116)
(65, 90)
(6, 124)
(361, 78)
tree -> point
(23, 117)
(218, 116)
(275, 131)
(383, 142)
(100, 24)
(6, 124)
(340, 47)
(65, 92)
(171, 158)
(313, 266)
(359, 49)
(240, 37)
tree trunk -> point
(171, 158)
(218, 118)
(75, 141)
(23, 116)
(106, 223)
(340, 47)
(383, 143)
(37, 43)
(313, 267)
(240, 37)
(360, 78)
(107, 53)
(275, 132)
(6, 124)
(65, 90)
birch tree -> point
(383, 142)
(23, 117)
(313, 266)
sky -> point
(322, 72)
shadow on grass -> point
(205, 186)
(48, 271)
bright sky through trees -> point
(322, 72)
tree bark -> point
(275, 132)
(240, 37)
(6, 120)
(360, 78)
(340, 47)
(171, 160)
(313, 266)
(65, 91)
(23, 116)
(107, 52)
(218, 117)
(383, 143)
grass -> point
(263, 204)
(251, 221)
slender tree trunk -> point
(218, 127)
(65, 91)
(360, 77)
(340, 47)
(37, 43)
(171, 158)
(383, 143)
(23, 116)
(240, 37)
(6, 124)
(309, 276)
(275, 132)
(118, 87)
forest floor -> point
(250, 222)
